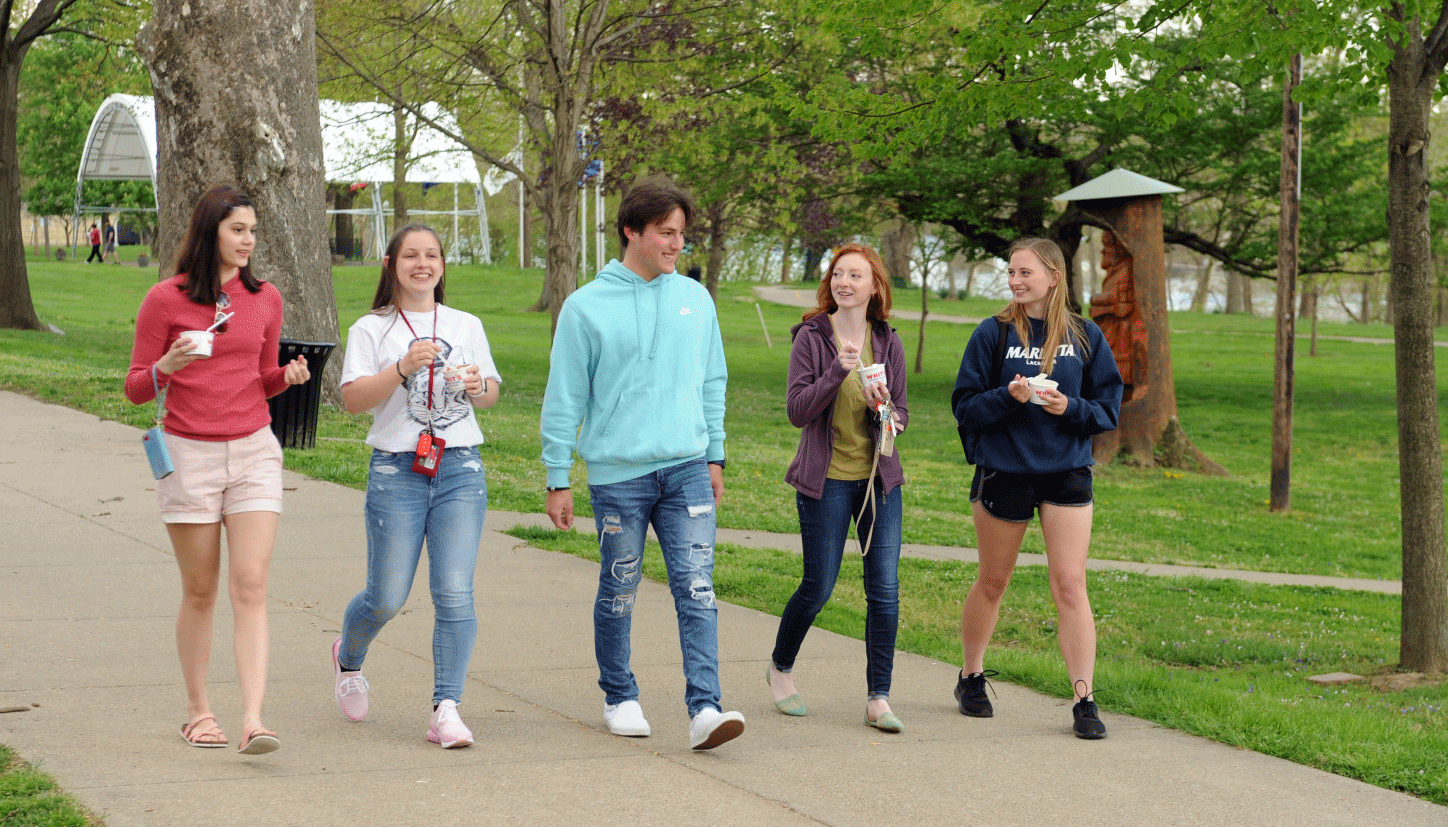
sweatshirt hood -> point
(617, 275)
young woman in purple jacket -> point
(846, 469)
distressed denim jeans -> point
(403, 509)
(824, 529)
(679, 502)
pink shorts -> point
(213, 479)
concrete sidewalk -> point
(87, 609)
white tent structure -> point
(357, 146)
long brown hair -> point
(878, 310)
(386, 296)
(199, 257)
(1061, 324)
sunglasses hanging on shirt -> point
(223, 303)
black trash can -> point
(294, 410)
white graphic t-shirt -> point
(377, 341)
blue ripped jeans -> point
(403, 509)
(679, 502)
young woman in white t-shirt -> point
(394, 367)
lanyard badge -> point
(429, 444)
(429, 453)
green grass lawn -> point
(1219, 658)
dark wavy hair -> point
(878, 309)
(650, 200)
(199, 258)
(386, 296)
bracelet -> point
(550, 489)
(398, 365)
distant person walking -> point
(1034, 454)
(638, 363)
(94, 236)
(426, 481)
(109, 236)
(846, 469)
(228, 463)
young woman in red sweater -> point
(228, 463)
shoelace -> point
(352, 686)
(989, 673)
(1088, 704)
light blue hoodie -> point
(640, 366)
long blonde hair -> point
(1061, 324)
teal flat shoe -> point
(793, 705)
(887, 722)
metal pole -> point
(479, 198)
(1287, 235)
(601, 236)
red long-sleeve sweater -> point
(222, 397)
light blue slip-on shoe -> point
(887, 722)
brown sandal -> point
(194, 734)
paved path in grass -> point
(88, 589)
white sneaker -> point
(626, 718)
(710, 728)
(447, 728)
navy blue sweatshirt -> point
(1021, 437)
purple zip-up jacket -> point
(814, 381)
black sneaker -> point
(970, 694)
(1088, 722)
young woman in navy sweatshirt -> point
(1034, 455)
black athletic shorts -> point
(1014, 497)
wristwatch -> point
(718, 462)
(550, 489)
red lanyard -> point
(429, 364)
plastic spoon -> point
(219, 322)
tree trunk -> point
(1234, 294)
(526, 221)
(346, 239)
(786, 259)
(924, 314)
(1280, 488)
(1204, 284)
(1442, 318)
(812, 258)
(560, 227)
(1247, 295)
(263, 135)
(896, 245)
(1413, 75)
(400, 146)
(718, 245)
(17, 309)
(1365, 303)
(1308, 309)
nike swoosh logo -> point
(684, 312)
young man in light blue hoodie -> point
(636, 386)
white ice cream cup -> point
(203, 340)
(872, 374)
(453, 375)
(1039, 385)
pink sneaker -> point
(447, 728)
(352, 687)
